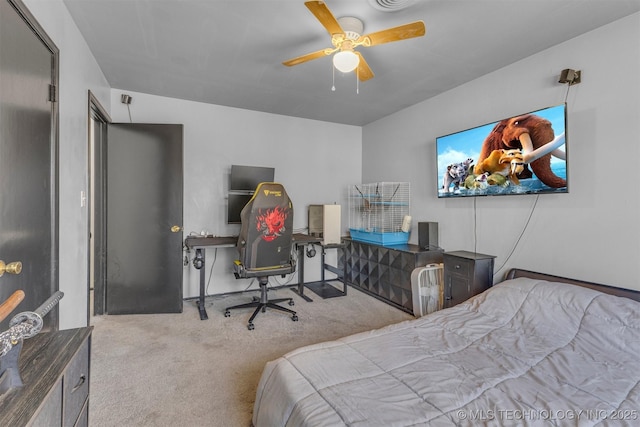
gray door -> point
(143, 204)
(28, 202)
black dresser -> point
(385, 271)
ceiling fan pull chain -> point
(333, 70)
(357, 82)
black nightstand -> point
(466, 274)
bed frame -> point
(621, 292)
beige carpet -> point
(178, 370)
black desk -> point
(201, 242)
(300, 241)
(322, 287)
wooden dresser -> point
(54, 367)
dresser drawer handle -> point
(457, 267)
(80, 382)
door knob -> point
(11, 268)
(176, 229)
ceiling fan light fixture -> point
(346, 61)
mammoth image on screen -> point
(523, 154)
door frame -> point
(96, 202)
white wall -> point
(315, 161)
(592, 233)
(79, 73)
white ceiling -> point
(230, 52)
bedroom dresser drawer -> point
(466, 274)
(76, 385)
(460, 266)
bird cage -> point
(380, 212)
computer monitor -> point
(247, 178)
(235, 203)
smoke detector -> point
(391, 5)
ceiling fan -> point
(346, 36)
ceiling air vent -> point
(391, 5)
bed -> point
(532, 350)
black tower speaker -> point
(428, 235)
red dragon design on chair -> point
(271, 223)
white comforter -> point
(523, 353)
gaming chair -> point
(264, 245)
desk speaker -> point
(428, 235)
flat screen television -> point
(235, 203)
(247, 178)
(522, 154)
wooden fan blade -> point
(305, 58)
(324, 15)
(364, 72)
(407, 31)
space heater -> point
(427, 287)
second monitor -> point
(235, 203)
